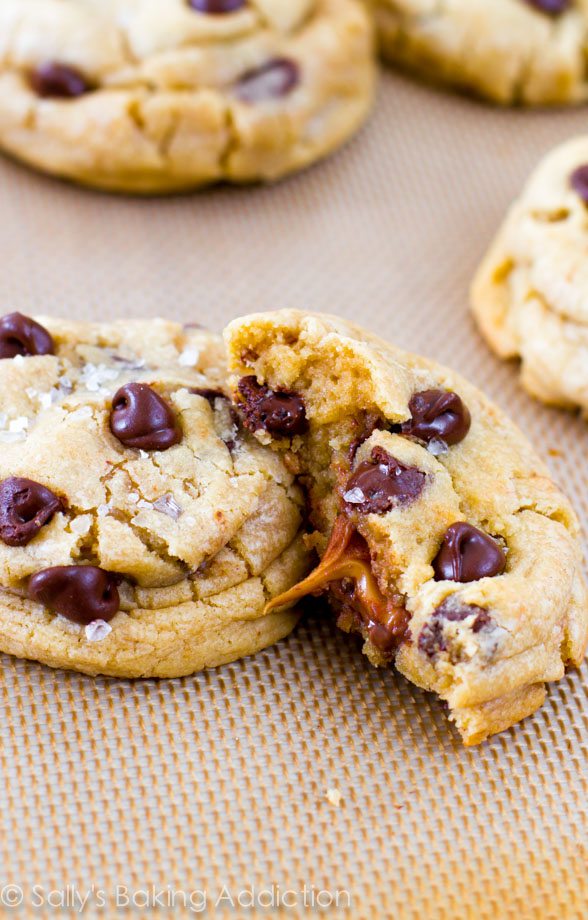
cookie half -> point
(530, 295)
(154, 97)
(142, 529)
(443, 541)
(522, 52)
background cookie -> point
(141, 530)
(529, 52)
(449, 547)
(157, 95)
(530, 295)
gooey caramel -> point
(346, 572)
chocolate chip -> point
(468, 554)
(25, 507)
(551, 7)
(21, 335)
(432, 639)
(382, 482)
(276, 411)
(140, 418)
(579, 182)
(271, 81)
(437, 414)
(216, 6)
(59, 81)
(82, 593)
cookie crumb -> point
(334, 797)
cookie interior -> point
(487, 646)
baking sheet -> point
(214, 787)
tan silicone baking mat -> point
(178, 798)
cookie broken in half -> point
(442, 539)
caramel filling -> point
(346, 571)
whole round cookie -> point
(142, 529)
(443, 540)
(160, 95)
(522, 52)
(530, 295)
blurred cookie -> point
(443, 541)
(522, 52)
(160, 95)
(142, 531)
(530, 295)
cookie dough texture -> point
(507, 51)
(538, 608)
(166, 109)
(202, 534)
(530, 295)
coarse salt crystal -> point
(81, 525)
(189, 356)
(97, 630)
(81, 413)
(19, 424)
(168, 505)
(437, 446)
(103, 510)
(354, 496)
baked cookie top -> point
(529, 52)
(530, 295)
(152, 95)
(443, 539)
(129, 488)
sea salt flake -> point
(31, 393)
(94, 377)
(168, 505)
(10, 437)
(19, 424)
(134, 497)
(147, 506)
(45, 399)
(354, 496)
(3, 420)
(97, 630)
(334, 796)
(18, 360)
(437, 446)
(189, 356)
(103, 510)
(143, 454)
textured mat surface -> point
(221, 779)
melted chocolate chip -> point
(21, 335)
(550, 7)
(216, 7)
(468, 554)
(432, 639)
(25, 507)
(382, 482)
(82, 593)
(140, 418)
(208, 394)
(59, 81)
(437, 414)
(271, 81)
(276, 411)
(579, 182)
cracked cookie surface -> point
(160, 95)
(443, 540)
(522, 52)
(122, 464)
(530, 295)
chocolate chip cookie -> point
(161, 96)
(442, 539)
(530, 295)
(525, 52)
(142, 528)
